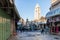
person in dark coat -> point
(42, 30)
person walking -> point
(42, 31)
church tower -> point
(37, 12)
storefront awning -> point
(53, 13)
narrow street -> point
(29, 20)
(36, 36)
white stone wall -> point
(37, 12)
(52, 1)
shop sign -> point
(58, 19)
(54, 19)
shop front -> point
(53, 21)
(8, 16)
(5, 25)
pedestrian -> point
(42, 31)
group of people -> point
(45, 30)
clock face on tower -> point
(53, 1)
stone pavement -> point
(13, 38)
(34, 36)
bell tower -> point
(37, 12)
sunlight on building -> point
(37, 14)
(53, 1)
(11, 1)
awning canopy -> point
(9, 7)
(53, 13)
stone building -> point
(53, 17)
(37, 14)
(38, 19)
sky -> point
(26, 8)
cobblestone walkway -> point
(34, 36)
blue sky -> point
(26, 7)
